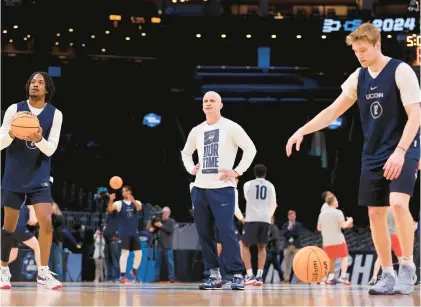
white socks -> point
(250, 272)
(259, 273)
(409, 261)
(42, 270)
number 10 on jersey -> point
(261, 192)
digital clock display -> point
(383, 24)
(410, 44)
(413, 40)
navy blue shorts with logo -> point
(15, 200)
(375, 188)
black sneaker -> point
(211, 283)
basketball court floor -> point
(185, 294)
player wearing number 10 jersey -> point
(261, 204)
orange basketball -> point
(116, 182)
(311, 264)
(24, 124)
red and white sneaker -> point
(48, 279)
(124, 280)
(5, 278)
(344, 281)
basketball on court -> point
(116, 182)
(24, 124)
(311, 264)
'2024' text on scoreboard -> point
(384, 25)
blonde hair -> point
(330, 199)
(365, 32)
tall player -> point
(128, 214)
(22, 234)
(261, 205)
(213, 195)
(388, 95)
(27, 172)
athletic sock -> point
(250, 272)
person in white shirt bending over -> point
(261, 205)
(213, 195)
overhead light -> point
(57, 43)
(4, 31)
(143, 34)
(10, 40)
(248, 36)
(92, 36)
(28, 36)
(83, 45)
(70, 30)
(58, 34)
(273, 36)
(25, 38)
(299, 36)
(156, 20)
(389, 36)
(71, 44)
(127, 38)
(15, 27)
(223, 35)
(324, 36)
(115, 17)
(174, 1)
(103, 50)
(159, 12)
(181, 0)
(107, 32)
(198, 35)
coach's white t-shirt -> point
(217, 147)
(330, 221)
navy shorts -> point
(256, 233)
(22, 236)
(15, 200)
(131, 243)
(375, 188)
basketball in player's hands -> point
(24, 124)
(116, 182)
(311, 264)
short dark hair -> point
(260, 171)
(127, 187)
(49, 85)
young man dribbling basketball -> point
(27, 174)
(388, 95)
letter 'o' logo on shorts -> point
(376, 109)
(30, 145)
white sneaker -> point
(48, 280)
(5, 278)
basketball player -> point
(128, 214)
(261, 205)
(27, 173)
(388, 95)
(330, 223)
(22, 234)
(213, 195)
